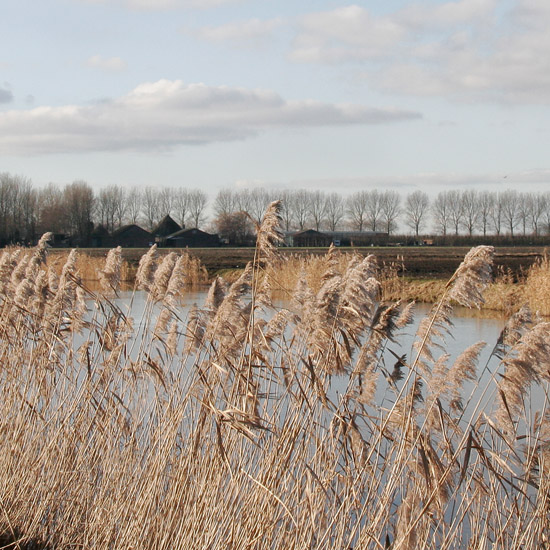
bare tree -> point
(441, 212)
(334, 208)
(416, 209)
(286, 210)
(119, 199)
(299, 206)
(110, 207)
(197, 204)
(225, 202)
(317, 208)
(523, 212)
(25, 213)
(50, 210)
(8, 197)
(166, 201)
(258, 202)
(242, 200)
(132, 204)
(497, 213)
(470, 210)
(237, 228)
(181, 205)
(546, 214)
(456, 210)
(537, 207)
(357, 210)
(78, 199)
(374, 209)
(390, 210)
(151, 207)
(510, 210)
(485, 208)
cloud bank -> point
(166, 114)
(241, 34)
(468, 49)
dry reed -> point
(253, 423)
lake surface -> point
(469, 327)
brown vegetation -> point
(242, 424)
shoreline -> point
(407, 273)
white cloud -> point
(155, 5)
(349, 33)
(166, 114)
(253, 32)
(111, 64)
(470, 49)
(445, 15)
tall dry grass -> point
(90, 265)
(243, 424)
(506, 293)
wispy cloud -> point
(345, 34)
(474, 50)
(109, 64)
(252, 32)
(166, 114)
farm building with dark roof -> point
(131, 236)
(192, 238)
(166, 226)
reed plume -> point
(110, 275)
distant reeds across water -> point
(219, 426)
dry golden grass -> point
(242, 424)
(506, 293)
(89, 266)
(537, 287)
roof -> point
(188, 233)
(100, 231)
(126, 228)
(166, 226)
(310, 233)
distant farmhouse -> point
(130, 236)
(192, 238)
(309, 237)
(167, 233)
(313, 238)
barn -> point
(131, 236)
(192, 238)
(167, 226)
(310, 238)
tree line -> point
(76, 209)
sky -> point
(320, 95)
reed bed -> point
(245, 424)
(89, 267)
(506, 293)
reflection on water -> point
(469, 325)
(468, 328)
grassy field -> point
(424, 262)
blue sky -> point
(323, 95)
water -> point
(468, 327)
